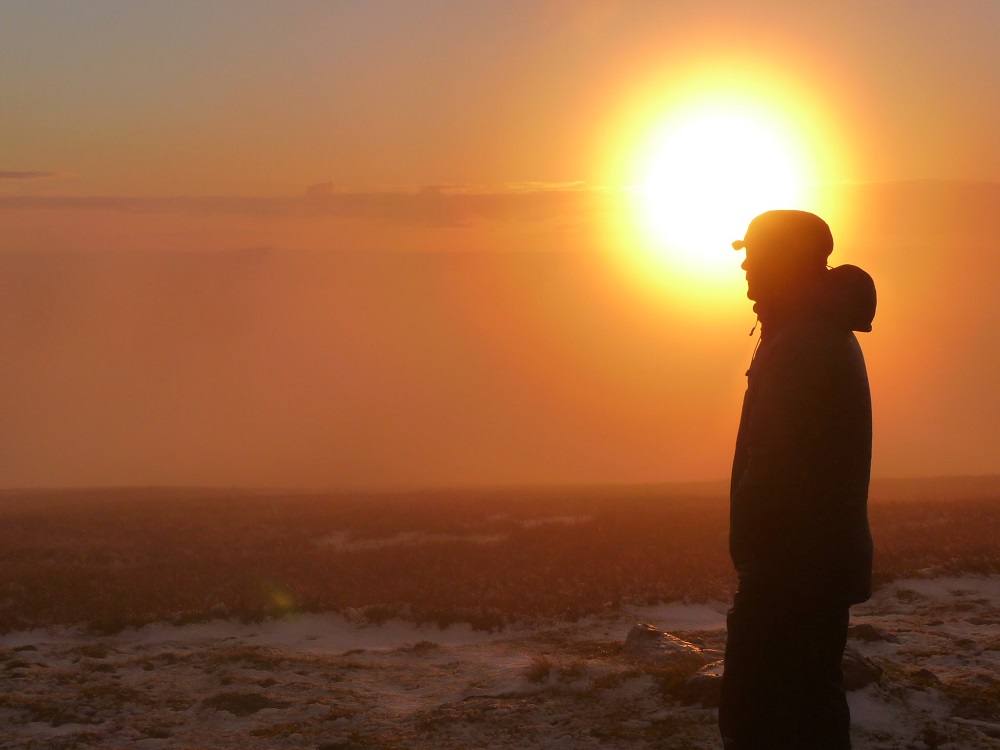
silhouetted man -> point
(799, 534)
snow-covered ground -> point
(327, 681)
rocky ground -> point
(327, 681)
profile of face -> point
(772, 272)
(763, 274)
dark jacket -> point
(799, 492)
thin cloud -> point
(15, 175)
(909, 208)
(431, 205)
(456, 205)
(164, 205)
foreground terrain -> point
(158, 618)
(324, 681)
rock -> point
(926, 675)
(989, 728)
(645, 643)
(704, 687)
(859, 670)
(864, 631)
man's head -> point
(786, 251)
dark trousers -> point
(781, 688)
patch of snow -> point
(305, 681)
(679, 616)
(341, 541)
(534, 523)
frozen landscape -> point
(377, 670)
(325, 681)
(370, 372)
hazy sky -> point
(395, 243)
(248, 97)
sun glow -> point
(706, 172)
(704, 150)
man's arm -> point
(780, 489)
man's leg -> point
(755, 710)
(781, 685)
(824, 717)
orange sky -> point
(221, 262)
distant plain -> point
(109, 559)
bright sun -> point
(704, 173)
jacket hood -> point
(848, 298)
